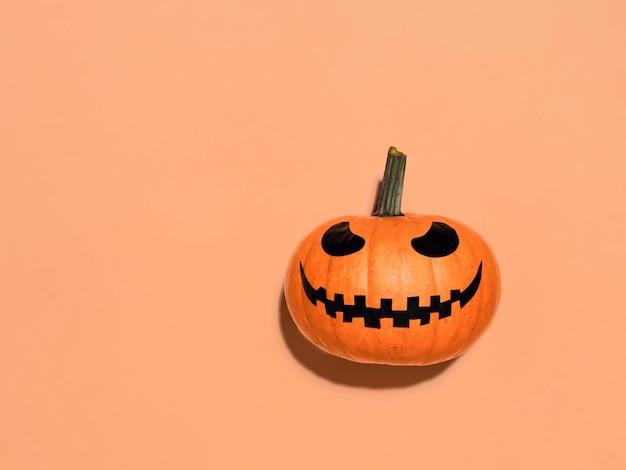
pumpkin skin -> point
(406, 289)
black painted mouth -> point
(401, 318)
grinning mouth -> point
(401, 318)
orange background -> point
(160, 161)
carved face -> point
(399, 290)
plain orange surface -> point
(160, 160)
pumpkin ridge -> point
(311, 329)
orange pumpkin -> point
(393, 288)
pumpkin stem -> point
(390, 197)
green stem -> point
(390, 198)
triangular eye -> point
(339, 240)
(440, 240)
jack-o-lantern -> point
(393, 288)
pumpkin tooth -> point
(443, 308)
(401, 318)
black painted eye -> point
(440, 240)
(339, 240)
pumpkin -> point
(393, 288)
